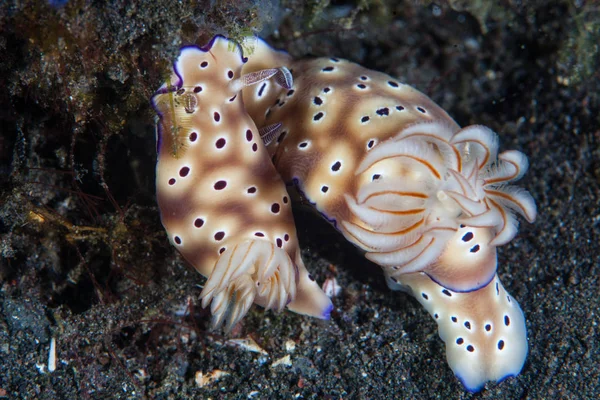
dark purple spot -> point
(180, 91)
(172, 181)
(220, 143)
(447, 292)
(383, 111)
(462, 226)
(217, 116)
(279, 242)
(488, 327)
(286, 237)
(363, 78)
(327, 69)
(468, 236)
(467, 325)
(508, 299)
(327, 90)
(470, 348)
(220, 185)
(290, 92)
(371, 143)
(506, 320)
(336, 166)
(311, 277)
(399, 108)
(393, 84)
(318, 101)
(230, 74)
(375, 177)
(454, 319)
(219, 235)
(249, 135)
(497, 289)
(500, 344)
(197, 89)
(259, 234)
(361, 86)
(262, 89)
(285, 199)
(318, 116)
(204, 64)
(334, 59)
(425, 296)
(193, 137)
(221, 250)
(474, 249)
(251, 189)
(233, 98)
(198, 222)
(365, 119)
(177, 240)
(394, 279)
(184, 171)
(275, 207)
(324, 189)
(422, 110)
(281, 104)
(459, 341)
(254, 147)
(303, 145)
(436, 316)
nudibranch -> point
(223, 204)
(426, 200)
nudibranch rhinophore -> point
(426, 200)
(223, 204)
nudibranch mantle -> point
(222, 202)
(427, 200)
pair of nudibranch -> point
(423, 198)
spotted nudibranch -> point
(222, 202)
(425, 199)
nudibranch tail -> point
(484, 330)
(310, 298)
(223, 204)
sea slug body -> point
(425, 199)
(223, 204)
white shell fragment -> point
(52, 356)
(204, 379)
(331, 287)
(247, 344)
(285, 361)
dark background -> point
(85, 259)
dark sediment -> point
(85, 259)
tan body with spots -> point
(222, 202)
(425, 199)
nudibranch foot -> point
(484, 330)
